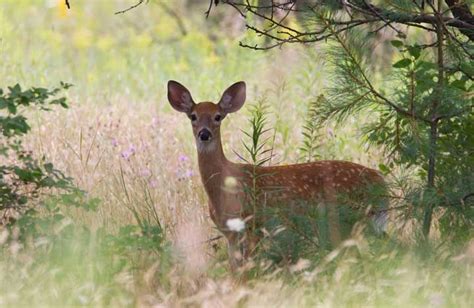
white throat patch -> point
(206, 147)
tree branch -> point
(462, 12)
(140, 2)
(462, 20)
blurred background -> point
(119, 65)
(125, 146)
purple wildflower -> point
(145, 173)
(128, 153)
(182, 158)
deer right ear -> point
(179, 97)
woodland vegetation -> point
(101, 202)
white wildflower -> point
(235, 224)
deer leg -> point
(379, 220)
(332, 211)
(234, 249)
(334, 224)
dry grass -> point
(122, 143)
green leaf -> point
(48, 167)
(402, 63)
(15, 90)
(27, 175)
(426, 66)
(396, 43)
(3, 103)
(467, 67)
(460, 84)
(65, 85)
(384, 169)
(22, 200)
(11, 108)
(414, 51)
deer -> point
(318, 183)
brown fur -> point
(317, 182)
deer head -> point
(206, 117)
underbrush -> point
(70, 264)
(136, 229)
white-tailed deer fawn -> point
(317, 183)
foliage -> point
(311, 133)
(119, 65)
(60, 247)
(23, 178)
(90, 266)
(258, 141)
(423, 110)
(300, 22)
(404, 104)
(259, 154)
(286, 235)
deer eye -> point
(193, 117)
(218, 117)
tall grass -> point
(122, 143)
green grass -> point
(123, 144)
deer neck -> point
(213, 165)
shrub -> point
(24, 177)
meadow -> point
(148, 240)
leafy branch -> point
(23, 178)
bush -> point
(23, 177)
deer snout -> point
(204, 135)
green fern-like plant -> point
(258, 152)
(311, 136)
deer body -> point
(225, 182)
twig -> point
(131, 8)
(467, 197)
(213, 239)
(387, 22)
(209, 9)
(67, 4)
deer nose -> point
(204, 135)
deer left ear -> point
(233, 98)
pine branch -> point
(462, 18)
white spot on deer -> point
(230, 182)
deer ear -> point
(179, 97)
(233, 98)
